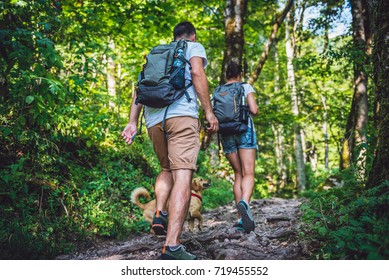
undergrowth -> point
(348, 223)
(55, 201)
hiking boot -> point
(179, 254)
(247, 218)
(239, 225)
(159, 224)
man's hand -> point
(212, 121)
(129, 133)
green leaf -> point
(21, 120)
(322, 230)
(19, 3)
(29, 99)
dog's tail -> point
(136, 194)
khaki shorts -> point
(179, 148)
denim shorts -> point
(245, 140)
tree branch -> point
(257, 71)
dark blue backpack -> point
(230, 108)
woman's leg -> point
(247, 163)
(234, 160)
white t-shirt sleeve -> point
(247, 89)
(197, 49)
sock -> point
(244, 202)
(174, 248)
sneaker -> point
(239, 225)
(179, 254)
(247, 218)
(159, 224)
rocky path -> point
(274, 238)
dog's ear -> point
(198, 182)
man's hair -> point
(233, 70)
(183, 29)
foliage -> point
(348, 224)
(220, 193)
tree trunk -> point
(279, 150)
(234, 21)
(298, 145)
(354, 142)
(325, 132)
(379, 13)
(270, 41)
(278, 131)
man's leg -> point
(163, 186)
(164, 181)
(183, 147)
(178, 205)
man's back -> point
(180, 107)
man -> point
(176, 145)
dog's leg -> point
(191, 224)
(200, 223)
(197, 215)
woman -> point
(240, 150)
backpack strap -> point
(183, 59)
(252, 130)
(164, 118)
(219, 144)
(141, 121)
(186, 91)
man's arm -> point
(129, 131)
(200, 83)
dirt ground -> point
(274, 238)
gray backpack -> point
(230, 108)
(162, 80)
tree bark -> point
(234, 37)
(325, 132)
(278, 131)
(298, 144)
(379, 13)
(270, 41)
(354, 142)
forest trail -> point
(274, 238)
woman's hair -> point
(233, 70)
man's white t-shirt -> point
(180, 107)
